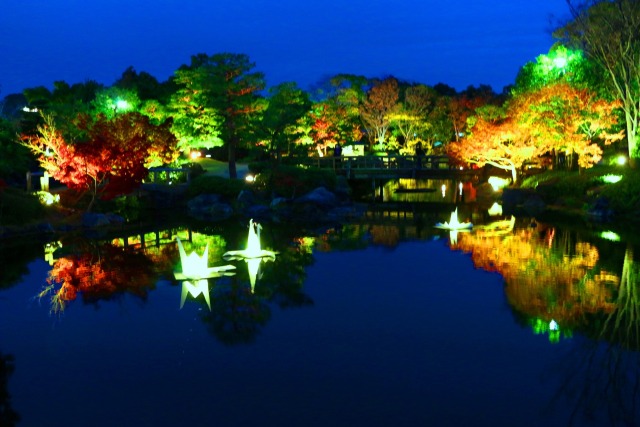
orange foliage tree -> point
(567, 119)
(378, 107)
(556, 117)
(496, 140)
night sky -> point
(457, 42)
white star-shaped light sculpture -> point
(453, 223)
(196, 288)
(195, 273)
(454, 226)
(253, 254)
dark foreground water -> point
(386, 323)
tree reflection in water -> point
(98, 271)
(558, 276)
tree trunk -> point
(233, 173)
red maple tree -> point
(111, 159)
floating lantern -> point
(453, 223)
(196, 288)
(195, 273)
(253, 255)
(495, 209)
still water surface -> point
(390, 322)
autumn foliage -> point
(112, 157)
(99, 273)
(557, 118)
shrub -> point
(293, 181)
(624, 196)
(18, 207)
(225, 187)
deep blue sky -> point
(457, 42)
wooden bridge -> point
(385, 167)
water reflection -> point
(428, 190)
(579, 290)
(97, 272)
(8, 416)
(558, 283)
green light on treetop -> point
(122, 105)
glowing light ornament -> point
(195, 273)
(253, 249)
(253, 255)
(454, 226)
(495, 209)
(453, 223)
(196, 288)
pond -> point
(386, 321)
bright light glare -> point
(610, 235)
(250, 178)
(495, 209)
(121, 104)
(621, 160)
(560, 61)
(497, 183)
(611, 179)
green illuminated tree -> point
(411, 118)
(196, 123)
(224, 84)
(608, 32)
(335, 116)
(114, 100)
(278, 125)
(560, 65)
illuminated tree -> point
(223, 84)
(335, 116)
(378, 108)
(556, 117)
(112, 158)
(411, 118)
(463, 105)
(196, 123)
(496, 140)
(607, 31)
(563, 118)
(114, 100)
(561, 64)
(279, 121)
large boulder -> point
(320, 197)
(208, 207)
(94, 220)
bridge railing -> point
(168, 176)
(377, 163)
